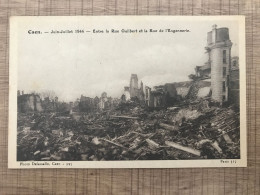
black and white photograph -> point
(127, 92)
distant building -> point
(86, 104)
(96, 101)
(103, 102)
(148, 97)
(29, 103)
(134, 86)
(133, 91)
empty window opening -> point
(224, 71)
(224, 56)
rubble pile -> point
(198, 89)
(195, 130)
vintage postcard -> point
(127, 92)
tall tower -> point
(219, 50)
(134, 85)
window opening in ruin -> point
(224, 71)
(224, 56)
(224, 86)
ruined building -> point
(218, 77)
(219, 50)
(133, 91)
(221, 69)
(161, 96)
(134, 86)
(204, 71)
(50, 105)
(234, 81)
(28, 103)
(103, 103)
(86, 104)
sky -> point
(91, 63)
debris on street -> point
(199, 129)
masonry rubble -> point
(196, 130)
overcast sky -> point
(88, 64)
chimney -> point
(214, 34)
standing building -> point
(219, 50)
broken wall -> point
(29, 103)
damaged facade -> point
(219, 50)
(28, 103)
(133, 91)
(51, 105)
(171, 94)
(218, 77)
(234, 81)
(221, 69)
(87, 104)
(161, 96)
(204, 71)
